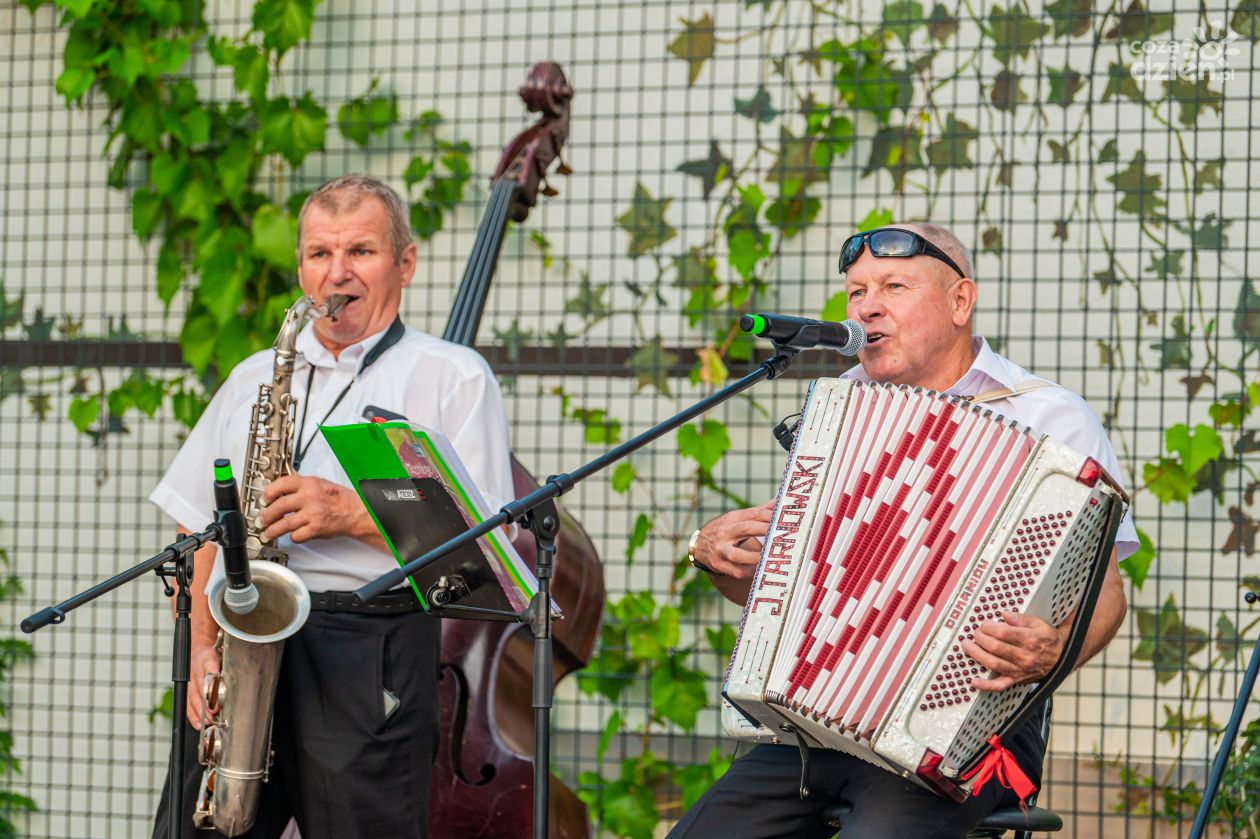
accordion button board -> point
(905, 519)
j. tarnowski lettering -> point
(776, 566)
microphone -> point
(241, 596)
(846, 338)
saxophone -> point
(235, 745)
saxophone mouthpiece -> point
(333, 304)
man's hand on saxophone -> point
(313, 508)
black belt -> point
(392, 603)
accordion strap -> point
(1003, 392)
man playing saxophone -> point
(355, 727)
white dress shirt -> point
(442, 386)
(1054, 411)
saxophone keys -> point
(212, 693)
(211, 746)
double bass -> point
(482, 783)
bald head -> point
(946, 241)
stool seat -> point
(1013, 818)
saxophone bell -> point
(235, 739)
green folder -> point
(420, 496)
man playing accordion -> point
(910, 286)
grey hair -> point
(346, 193)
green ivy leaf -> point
(645, 222)
(705, 444)
(759, 107)
(360, 118)
(1167, 479)
(164, 706)
(746, 243)
(84, 411)
(1247, 315)
(1209, 177)
(836, 308)
(1120, 82)
(1230, 645)
(875, 218)
(1070, 17)
(1139, 190)
(711, 170)
(792, 215)
(1006, 92)
(1193, 96)
(1138, 564)
(896, 148)
(722, 639)
(902, 18)
(941, 24)
(650, 365)
(78, 8)
(1139, 24)
(696, 780)
(611, 729)
(638, 537)
(1166, 641)
(1246, 19)
(694, 45)
(291, 128)
(142, 120)
(623, 476)
(949, 150)
(652, 639)
(514, 339)
(1195, 449)
(284, 23)
(1174, 351)
(1210, 234)
(418, 168)
(1064, 85)
(589, 301)
(678, 693)
(1166, 264)
(197, 340)
(624, 808)
(146, 209)
(188, 406)
(1242, 535)
(1014, 32)
(599, 428)
(275, 237)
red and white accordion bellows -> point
(905, 519)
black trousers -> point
(343, 768)
(759, 798)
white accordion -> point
(906, 518)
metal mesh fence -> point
(1103, 189)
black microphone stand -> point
(1231, 733)
(537, 511)
(174, 561)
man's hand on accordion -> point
(729, 548)
(1018, 649)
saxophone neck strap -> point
(392, 336)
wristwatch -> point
(691, 553)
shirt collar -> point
(986, 372)
(316, 354)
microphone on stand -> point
(241, 596)
(846, 338)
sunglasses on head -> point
(891, 241)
